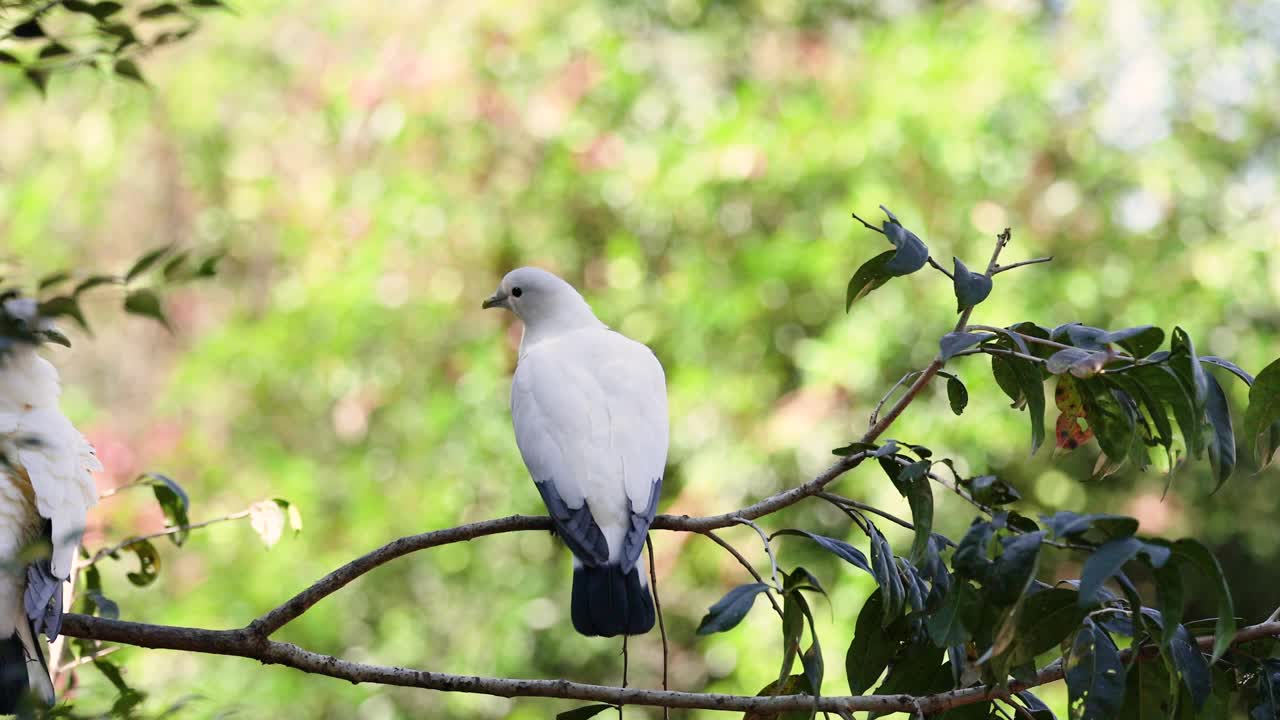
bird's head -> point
(539, 298)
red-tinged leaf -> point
(1072, 429)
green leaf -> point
(584, 712)
(1168, 387)
(103, 10)
(160, 10)
(1014, 570)
(1183, 359)
(175, 266)
(970, 287)
(1080, 363)
(1048, 617)
(9, 58)
(102, 605)
(871, 648)
(954, 342)
(144, 263)
(1112, 420)
(913, 484)
(208, 267)
(1103, 564)
(1094, 674)
(1171, 594)
(127, 68)
(146, 303)
(730, 609)
(957, 394)
(94, 281)
(871, 275)
(148, 563)
(1147, 693)
(913, 669)
(953, 623)
(1139, 341)
(1263, 411)
(885, 571)
(990, 490)
(52, 50)
(1195, 554)
(1034, 706)
(1025, 377)
(1222, 442)
(28, 29)
(1268, 706)
(853, 449)
(1229, 366)
(173, 501)
(209, 4)
(911, 254)
(1190, 664)
(63, 305)
(971, 559)
(52, 280)
(839, 548)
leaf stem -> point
(999, 269)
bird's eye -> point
(516, 292)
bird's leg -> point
(624, 669)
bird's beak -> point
(498, 299)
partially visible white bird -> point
(589, 407)
(46, 489)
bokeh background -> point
(374, 168)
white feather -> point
(589, 407)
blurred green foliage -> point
(374, 168)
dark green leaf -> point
(94, 281)
(853, 448)
(1103, 564)
(145, 303)
(971, 558)
(885, 571)
(1139, 341)
(9, 58)
(1168, 387)
(1170, 591)
(159, 10)
(1264, 410)
(1195, 554)
(1034, 706)
(913, 483)
(730, 609)
(1229, 366)
(27, 29)
(38, 78)
(1048, 617)
(1112, 418)
(1222, 442)
(872, 646)
(953, 623)
(870, 276)
(1014, 570)
(1025, 376)
(209, 4)
(1268, 707)
(53, 50)
(173, 501)
(954, 342)
(1147, 693)
(1184, 361)
(52, 280)
(103, 606)
(911, 253)
(990, 490)
(209, 266)
(1095, 675)
(1190, 664)
(145, 262)
(971, 288)
(913, 669)
(148, 563)
(126, 68)
(1080, 363)
(839, 548)
(175, 266)
(63, 305)
(957, 394)
(105, 9)
(78, 6)
(584, 712)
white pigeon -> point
(589, 407)
(46, 489)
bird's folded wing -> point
(590, 415)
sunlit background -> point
(374, 167)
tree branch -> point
(245, 643)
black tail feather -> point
(607, 602)
(14, 686)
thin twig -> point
(173, 530)
(941, 269)
(768, 549)
(743, 562)
(1011, 266)
(875, 414)
(86, 659)
(662, 625)
(245, 643)
(866, 224)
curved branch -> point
(245, 643)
